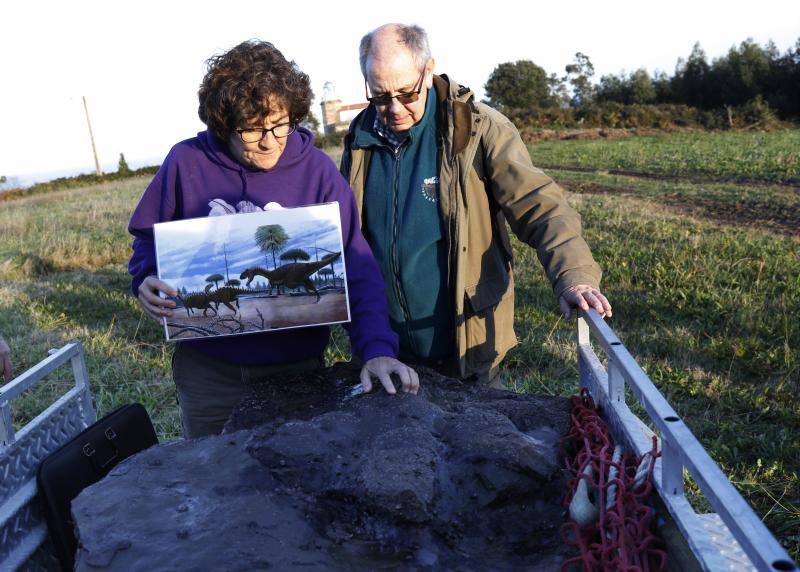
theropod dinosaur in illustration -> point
(291, 275)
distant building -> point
(332, 110)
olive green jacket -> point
(486, 178)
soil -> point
(790, 184)
(311, 473)
(532, 134)
(782, 218)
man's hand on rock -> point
(584, 297)
(383, 367)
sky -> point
(139, 64)
(190, 250)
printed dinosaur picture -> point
(243, 269)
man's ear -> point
(429, 73)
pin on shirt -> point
(429, 188)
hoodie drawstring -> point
(243, 176)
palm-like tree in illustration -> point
(295, 254)
(216, 279)
(270, 237)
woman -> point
(254, 153)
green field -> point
(764, 157)
(703, 271)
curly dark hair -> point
(239, 84)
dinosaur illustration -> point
(228, 295)
(197, 300)
(291, 275)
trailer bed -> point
(731, 538)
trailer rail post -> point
(733, 537)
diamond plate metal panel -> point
(21, 516)
(18, 468)
(18, 464)
(23, 533)
(43, 560)
(729, 549)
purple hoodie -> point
(201, 169)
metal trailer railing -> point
(23, 531)
(732, 538)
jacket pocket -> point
(481, 324)
(485, 294)
(489, 319)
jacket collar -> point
(461, 98)
(364, 134)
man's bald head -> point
(383, 43)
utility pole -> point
(97, 170)
(225, 251)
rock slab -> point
(311, 474)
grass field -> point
(703, 270)
(763, 157)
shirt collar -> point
(396, 140)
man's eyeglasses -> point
(403, 97)
(256, 134)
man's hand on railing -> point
(584, 297)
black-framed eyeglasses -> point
(256, 134)
(403, 97)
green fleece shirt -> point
(403, 224)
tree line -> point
(750, 80)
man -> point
(436, 176)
